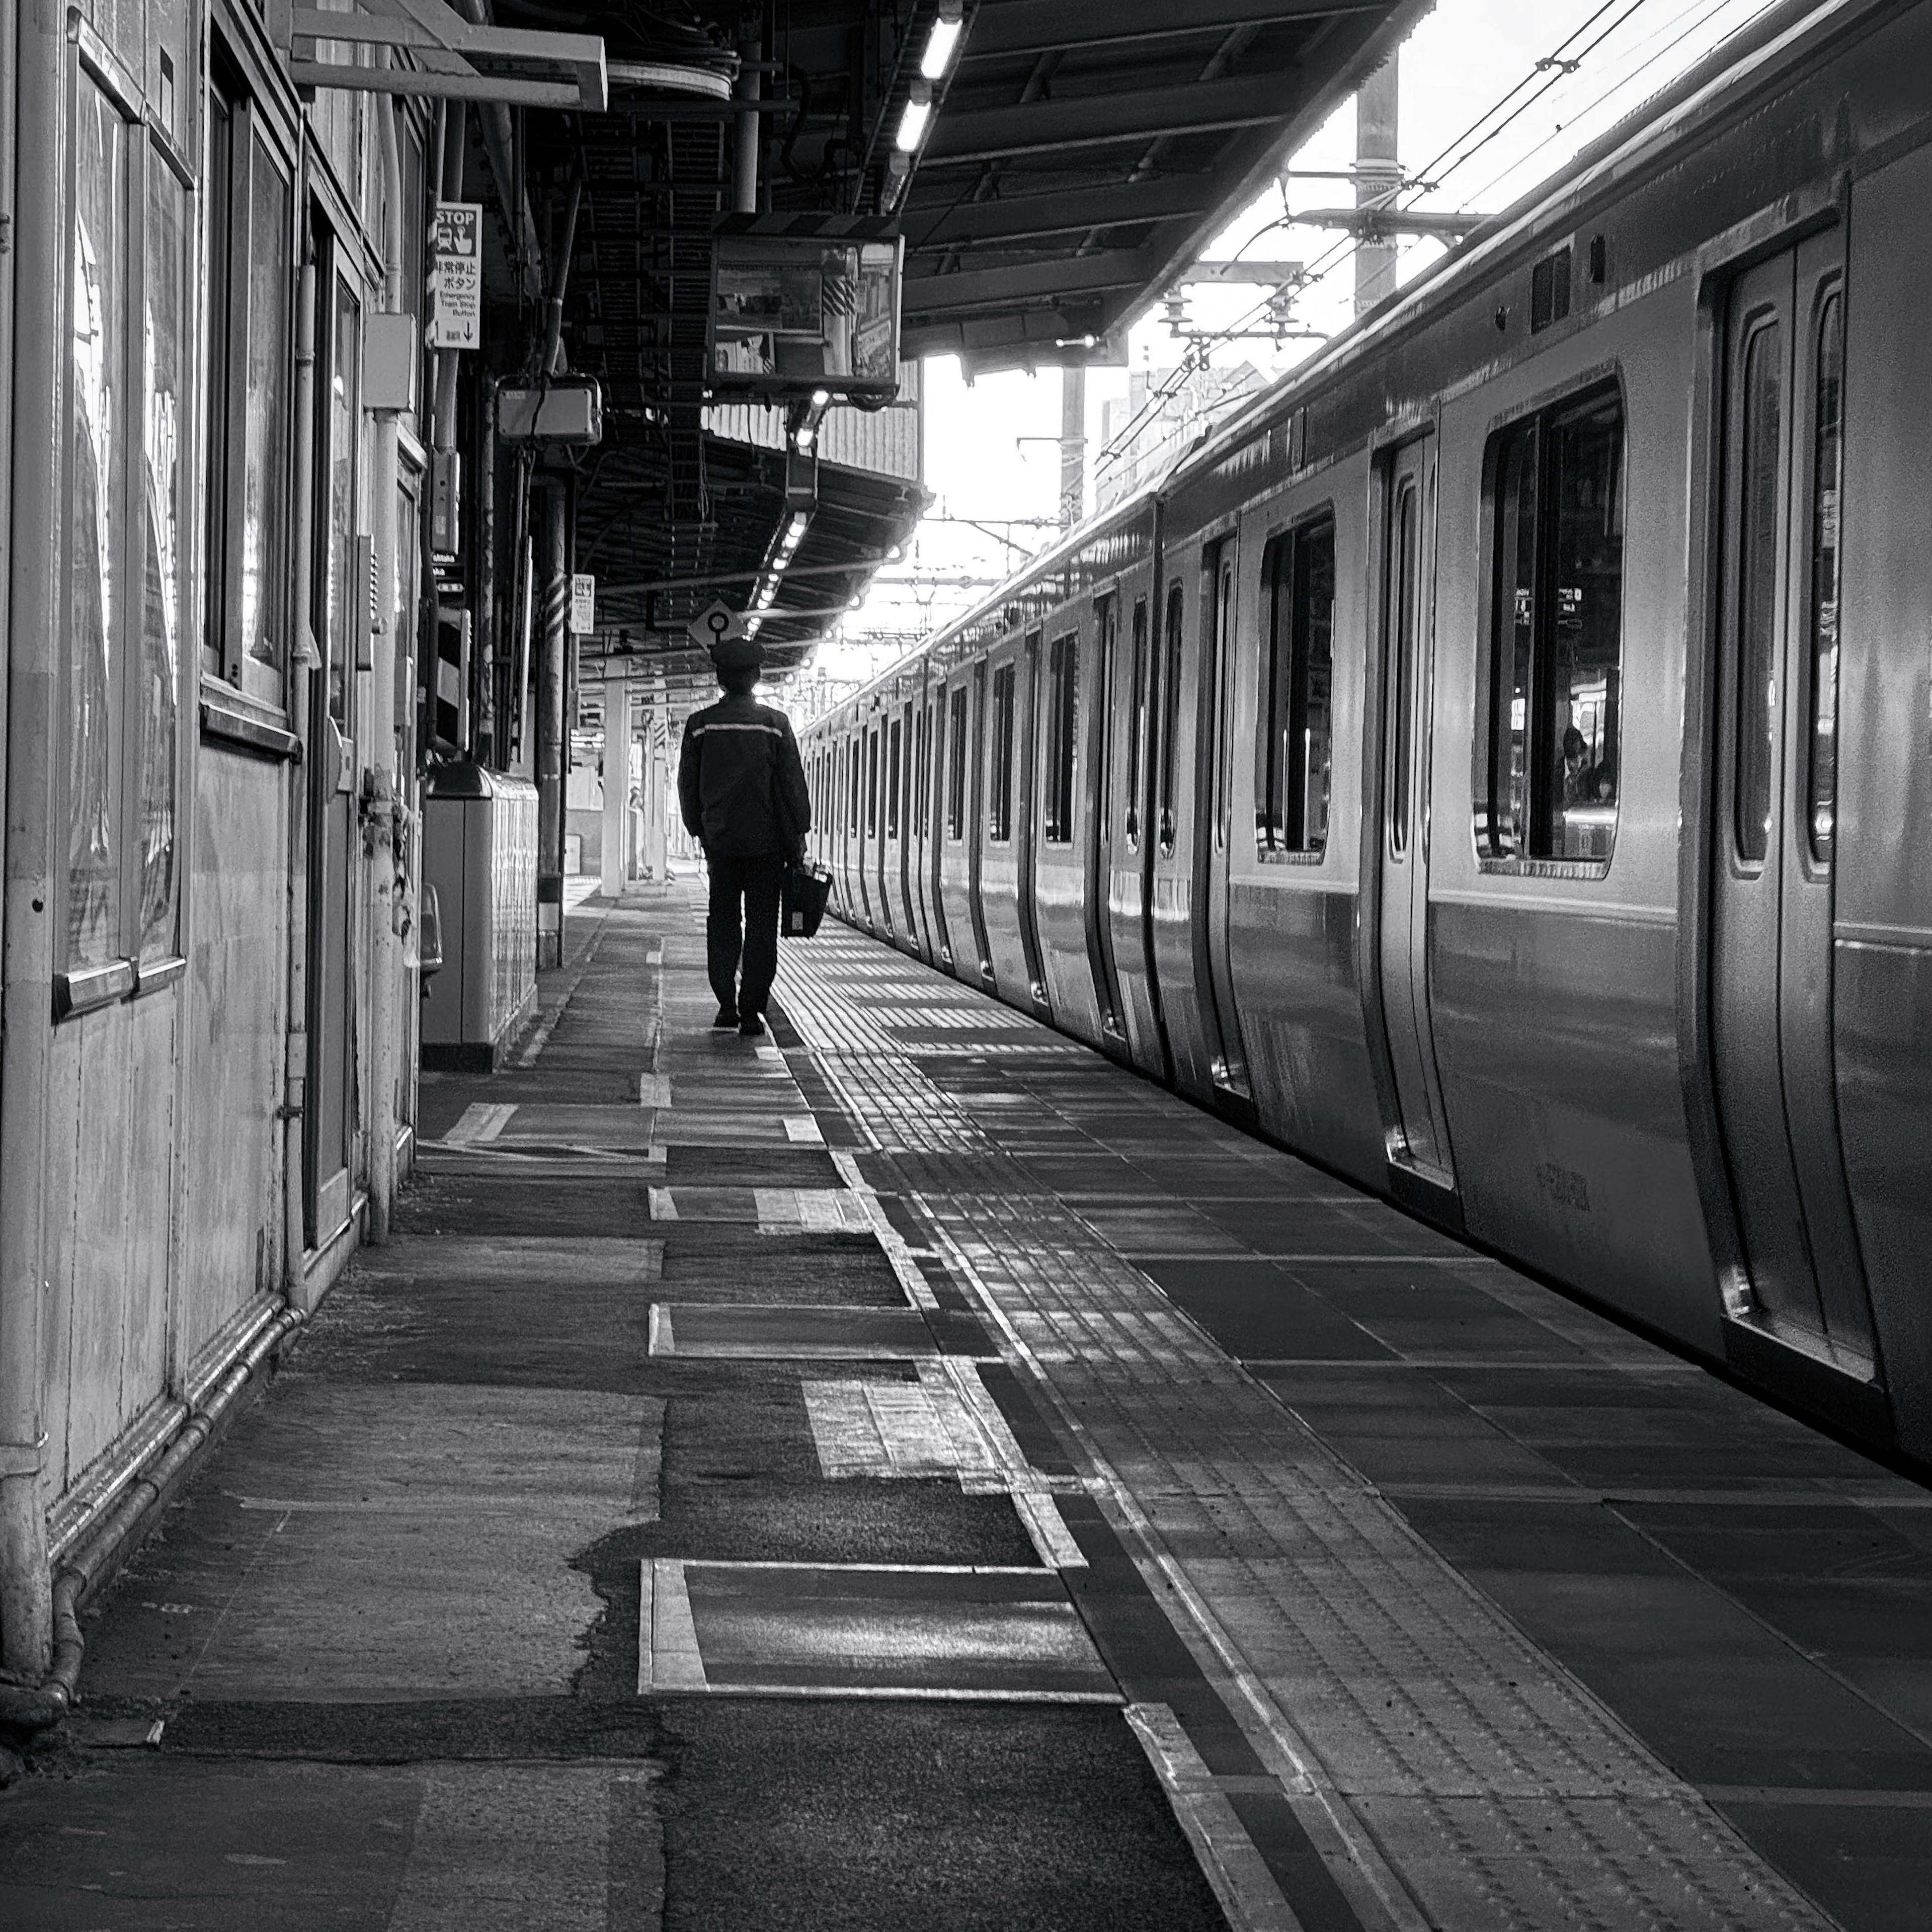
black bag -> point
(802, 893)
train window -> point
(1759, 506)
(1062, 673)
(956, 767)
(1827, 463)
(1220, 622)
(895, 779)
(852, 761)
(1000, 821)
(1548, 738)
(1177, 612)
(1137, 723)
(1107, 625)
(1403, 593)
(871, 784)
(1294, 749)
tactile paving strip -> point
(1499, 1789)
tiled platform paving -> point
(908, 1471)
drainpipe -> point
(31, 84)
(744, 164)
(379, 797)
(296, 1064)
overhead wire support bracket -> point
(455, 59)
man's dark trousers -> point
(746, 889)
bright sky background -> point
(1477, 116)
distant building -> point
(1162, 412)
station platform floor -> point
(909, 1472)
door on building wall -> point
(1418, 1139)
(338, 617)
(1213, 852)
(1773, 843)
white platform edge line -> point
(1249, 1896)
(918, 1290)
(1048, 1529)
(676, 1663)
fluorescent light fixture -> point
(821, 398)
(912, 122)
(941, 42)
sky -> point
(1478, 118)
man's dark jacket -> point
(741, 782)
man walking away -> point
(741, 787)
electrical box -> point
(389, 362)
(569, 411)
(445, 502)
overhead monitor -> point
(795, 313)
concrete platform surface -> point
(908, 1471)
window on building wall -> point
(1293, 751)
(1137, 700)
(1063, 680)
(999, 819)
(1170, 726)
(895, 778)
(245, 635)
(124, 619)
(956, 767)
(1548, 752)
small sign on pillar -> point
(456, 297)
(583, 604)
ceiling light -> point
(942, 41)
(912, 122)
(819, 398)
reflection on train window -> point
(1062, 673)
(1137, 721)
(1827, 458)
(1107, 623)
(1293, 747)
(1548, 741)
(955, 769)
(1404, 596)
(895, 778)
(852, 760)
(1170, 713)
(999, 821)
(872, 784)
(1220, 632)
(1755, 591)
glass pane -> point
(1109, 626)
(1506, 786)
(1585, 643)
(1137, 718)
(1224, 633)
(1063, 664)
(893, 782)
(1762, 401)
(164, 357)
(221, 166)
(1401, 668)
(1000, 819)
(96, 582)
(1271, 698)
(1309, 731)
(1828, 456)
(956, 800)
(1171, 716)
(345, 597)
(265, 573)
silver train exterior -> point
(1498, 764)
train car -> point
(1516, 795)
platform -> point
(909, 1471)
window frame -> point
(1060, 750)
(133, 961)
(958, 752)
(1004, 702)
(1541, 416)
(1171, 655)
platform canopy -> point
(1071, 157)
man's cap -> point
(738, 654)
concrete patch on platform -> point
(865, 1630)
(750, 1332)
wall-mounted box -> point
(570, 411)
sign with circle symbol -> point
(714, 624)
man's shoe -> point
(751, 1025)
(728, 1016)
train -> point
(1496, 761)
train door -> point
(1212, 850)
(1027, 828)
(1773, 819)
(976, 827)
(1100, 867)
(1418, 1135)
